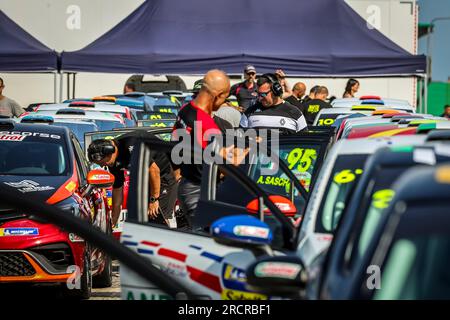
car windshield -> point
(78, 129)
(156, 123)
(301, 160)
(377, 197)
(417, 263)
(327, 119)
(164, 102)
(346, 173)
(39, 155)
(105, 125)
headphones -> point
(275, 87)
(100, 149)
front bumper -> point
(27, 266)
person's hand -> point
(153, 210)
(115, 218)
(280, 74)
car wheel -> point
(85, 290)
(104, 279)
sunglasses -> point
(251, 74)
(263, 94)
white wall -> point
(52, 22)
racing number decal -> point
(382, 198)
(326, 122)
(161, 124)
(346, 176)
(302, 157)
(155, 117)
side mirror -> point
(277, 276)
(285, 205)
(100, 178)
(241, 231)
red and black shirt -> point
(201, 127)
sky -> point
(430, 9)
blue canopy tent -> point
(20, 52)
(304, 38)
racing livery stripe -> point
(151, 244)
(172, 254)
(195, 247)
(145, 251)
(127, 236)
(130, 243)
(206, 279)
(67, 189)
(211, 256)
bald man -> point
(197, 119)
(298, 91)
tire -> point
(85, 290)
(104, 279)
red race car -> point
(48, 162)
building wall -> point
(72, 24)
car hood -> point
(41, 186)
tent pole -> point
(425, 104)
(73, 85)
(61, 82)
(420, 84)
(55, 84)
(68, 85)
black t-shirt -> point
(246, 97)
(187, 116)
(284, 116)
(296, 102)
(125, 145)
(312, 108)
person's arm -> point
(282, 79)
(117, 199)
(155, 189)
(16, 109)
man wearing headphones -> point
(273, 112)
(116, 154)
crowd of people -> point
(266, 101)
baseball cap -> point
(249, 68)
(197, 85)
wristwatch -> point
(153, 199)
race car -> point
(340, 174)
(47, 163)
(78, 127)
(104, 121)
(402, 234)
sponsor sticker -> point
(233, 278)
(277, 270)
(71, 186)
(250, 231)
(25, 186)
(11, 137)
(241, 295)
(17, 232)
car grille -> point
(13, 264)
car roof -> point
(34, 127)
(93, 115)
(370, 145)
(387, 101)
(98, 106)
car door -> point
(209, 269)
